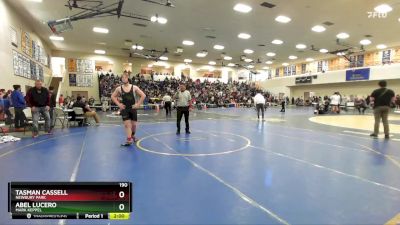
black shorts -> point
(129, 114)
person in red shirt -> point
(61, 100)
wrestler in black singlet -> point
(128, 99)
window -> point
(303, 68)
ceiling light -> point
(212, 63)
(248, 51)
(158, 19)
(248, 60)
(244, 36)
(187, 42)
(309, 59)
(341, 53)
(381, 46)
(283, 19)
(268, 62)
(285, 64)
(187, 60)
(384, 8)
(250, 66)
(323, 50)
(162, 20)
(343, 36)
(38, 1)
(365, 42)
(277, 42)
(271, 54)
(164, 58)
(201, 54)
(292, 57)
(231, 64)
(227, 58)
(100, 30)
(219, 47)
(318, 28)
(266, 68)
(301, 46)
(101, 52)
(137, 47)
(56, 38)
(242, 8)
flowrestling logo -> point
(376, 15)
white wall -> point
(9, 17)
(332, 81)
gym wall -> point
(9, 18)
(332, 81)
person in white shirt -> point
(183, 99)
(167, 104)
(259, 101)
(335, 102)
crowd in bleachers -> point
(215, 93)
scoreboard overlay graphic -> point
(70, 200)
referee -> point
(182, 103)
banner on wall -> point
(359, 74)
(26, 43)
(71, 65)
(72, 80)
(386, 56)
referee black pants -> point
(180, 112)
(167, 106)
(260, 107)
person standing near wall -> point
(19, 104)
(53, 104)
(61, 100)
(335, 102)
(382, 98)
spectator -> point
(397, 101)
(61, 100)
(19, 104)
(360, 103)
(86, 109)
(53, 104)
(335, 102)
(39, 101)
(382, 99)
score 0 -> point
(121, 195)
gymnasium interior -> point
(308, 153)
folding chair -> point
(79, 115)
(62, 116)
